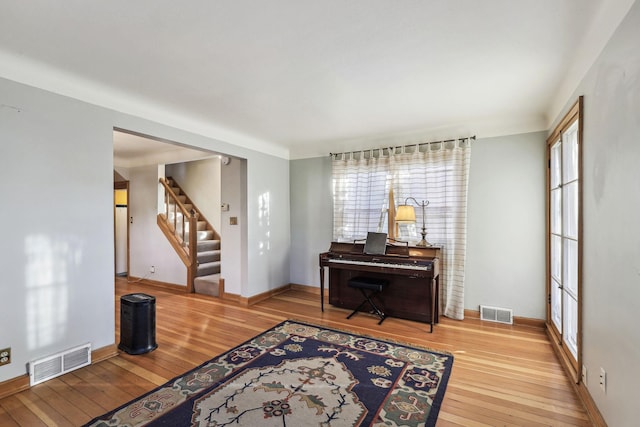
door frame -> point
(574, 367)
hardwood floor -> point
(502, 375)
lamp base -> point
(423, 243)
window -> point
(564, 236)
(363, 184)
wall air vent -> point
(496, 314)
(49, 367)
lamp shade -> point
(405, 214)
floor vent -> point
(496, 314)
(57, 364)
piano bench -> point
(369, 287)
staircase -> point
(207, 277)
(200, 252)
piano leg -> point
(322, 289)
(433, 303)
(435, 298)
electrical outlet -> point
(152, 269)
(584, 375)
(603, 380)
(5, 356)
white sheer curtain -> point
(437, 173)
(360, 194)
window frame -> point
(573, 366)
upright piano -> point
(412, 273)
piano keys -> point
(412, 272)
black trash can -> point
(137, 323)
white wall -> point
(611, 209)
(58, 258)
(234, 237)
(506, 225)
(268, 209)
(57, 241)
(147, 244)
(505, 230)
(311, 217)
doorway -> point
(138, 159)
(121, 227)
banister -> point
(193, 250)
(190, 218)
(168, 190)
(187, 248)
(201, 217)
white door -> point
(121, 230)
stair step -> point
(201, 226)
(203, 235)
(173, 208)
(208, 245)
(208, 285)
(208, 256)
(175, 218)
(208, 268)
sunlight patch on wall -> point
(264, 222)
(49, 264)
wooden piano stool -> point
(369, 287)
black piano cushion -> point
(370, 283)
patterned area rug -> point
(297, 374)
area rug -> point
(298, 374)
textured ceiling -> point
(301, 78)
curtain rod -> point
(401, 146)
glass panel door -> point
(555, 213)
(570, 238)
(564, 236)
